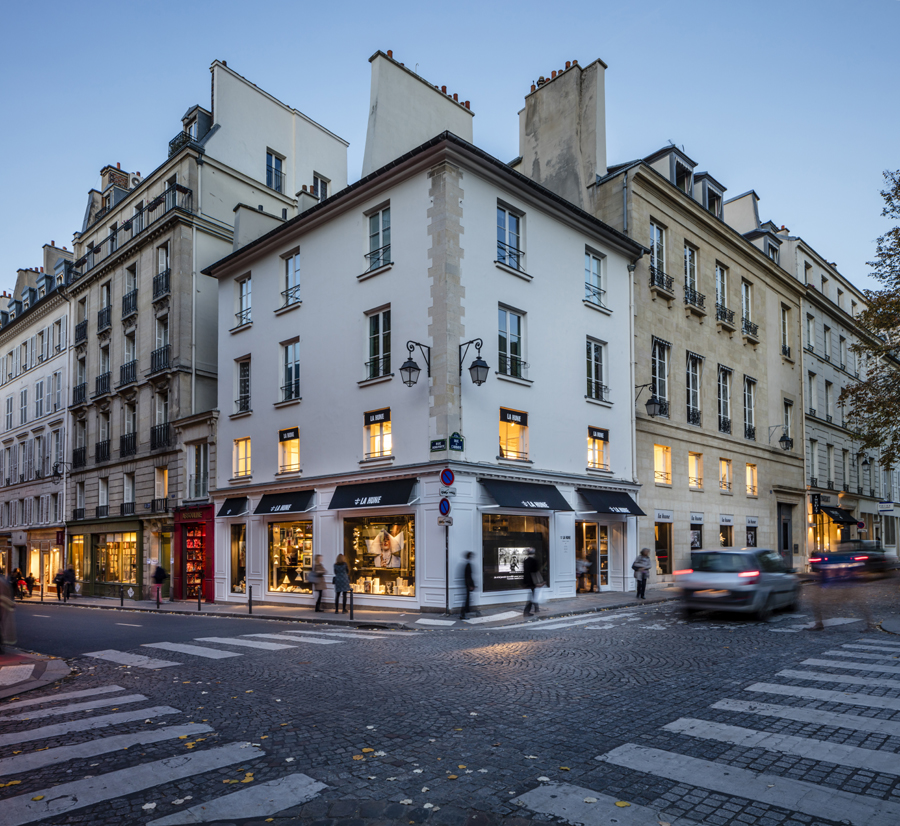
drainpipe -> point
(631, 268)
(625, 203)
(194, 287)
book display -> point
(382, 555)
(117, 557)
(194, 560)
(290, 556)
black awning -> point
(234, 507)
(372, 494)
(297, 501)
(526, 495)
(611, 501)
(839, 515)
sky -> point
(796, 100)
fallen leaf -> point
(264, 737)
(182, 737)
(457, 729)
(367, 751)
(39, 797)
(428, 806)
(247, 780)
(590, 800)
(178, 801)
(358, 757)
(249, 691)
(622, 804)
(424, 788)
(473, 714)
(149, 806)
(565, 769)
(483, 771)
(415, 771)
(288, 759)
(269, 819)
(284, 724)
(406, 802)
(451, 777)
(370, 727)
(460, 766)
(391, 779)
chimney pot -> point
(391, 53)
(225, 63)
(574, 62)
(65, 248)
(118, 165)
(568, 64)
(42, 269)
(304, 187)
(533, 87)
(552, 75)
(456, 97)
(444, 89)
(53, 243)
(467, 105)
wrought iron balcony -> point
(128, 372)
(274, 179)
(693, 416)
(159, 505)
(694, 299)
(380, 366)
(511, 365)
(379, 258)
(126, 509)
(663, 408)
(872, 492)
(724, 424)
(830, 484)
(812, 411)
(813, 481)
(102, 511)
(663, 477)
(198, 487)
(162, 284)
(660, 281)
(291, 391)
(748, 328)
(724, 484)
(511, 256)
(79, 457)
(597, 391)
(81, 331)
(827, 358)
(101, 384)
(101, 451)
(595, 295)
(291, 295)
(828, 418)
(695, 482)
(127, 444)
(750, 431)
(79, 393)
(160, 435)
(724, 315)
(506, 452)
(243, 317)
(181, 140)
(159, 359)
(77, 514)
(129, 304)
(751, 490)
(785, 350)
(859, 490)
(104, 318)
(242, 404)
(846, 487)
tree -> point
(872, 405)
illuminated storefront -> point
(107, 562)
(193, 565)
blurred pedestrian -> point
(14, 579)
(69, 585)
(29, 583)
(317, 577)
(7, 613)
(533, 581)
(832, 590)
(468, 584)
(60, 582)
(341, 581)
(160, 575)
(641, 568)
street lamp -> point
(478, 369)
(653, 404)
(785, 442)
(409, 371)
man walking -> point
(533, 580)
(68, 583)
(160, 575)
(469, 583)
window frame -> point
(595, 278)
(597, 449)
(751, 479)
(595, 363)
(510, 240)
(291, 291)
(379, 237)
(289, 451)
(378, 438)
(244, 300)
(660, 353)
(508, 363)
(378, 343)
(242, 467)
(662, 464)
(513, 427)
(290, 370)
(695, 470)
(725, 475)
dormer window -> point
(714, 202)
(683, 178)
(191, 129)
(772, 251)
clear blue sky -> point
(797, 100)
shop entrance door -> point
(663, 548)
(194, 557)
(50, 565)
(591, 557)
(165, 559)
(785, 534)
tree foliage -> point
(872, 404)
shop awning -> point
(297, 501)
(372, 494)
(525, 495)
(611, 501)
(840, 516)
(236, 506)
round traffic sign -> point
(444, 506)
(447, 477)
(860, 525)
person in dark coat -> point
(533, 580)
(60, 582)
(469, 584)
(29, 582)
(69, 583)
(318, 581)
(160, 575)
(341, 581)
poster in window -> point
(751, 537)
(696, 537)
(511, 560)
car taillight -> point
(857, 558)
(685, 571)
(815, 559)
(748, 573)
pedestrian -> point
(60, 582)
(468, 584)
(29, 582)
(16, 583)
(160, 575)
(533, 581)
(317, 576)
(641, 568)
(69, 587)
(341, 581)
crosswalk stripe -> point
(825, 677)
(553, 625)
(88, 724)
(493, 618)
(382, 632)
(867, 700)
(266, 646)
(894, 651)
(807, 747)
(310, 640)
(349, 634)
(804, 714)
(435, 622)
(40, 713)
(194, 650)
(859, 655)
(66, 695)
(881, 669)
(136, 660)
(256, 801)
(880, 642)
(68, 797)
(774, 790)
(100, 745)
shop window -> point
(751, 536)
(513, 434)
(117, 557)
(380, 551)
(598, 441)
(290, 556)
(506, 541)
(663, 548)
(239, 559)
(726, 536)
(662, 464)
(289, 450)
(377, 432)
(591, 556)
(77, 558)
(696, 536)
(194, 560)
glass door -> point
(194, 560)
(165, 559)
(591, 557)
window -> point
(274, 174)
(128, 494)
(129, 417)
(103, 494)
(291, 291)
(842, 352)
(852, 309)
(840, 299)
(657, 248)
(130, 278)
(695, 470)
(383, 546)
(724, 474)
(785, 331)
(104, 360)
(813, 461)
(683, 177)
(724, 399)
(726, 536)
(239, 558)
(829, 456)
(379, 363)
(130, 348)
(290, 390)
(509, 238)
(510, 349)
(826, 336)
(772, 251)
(811, 387)
(746, 301)
(513, 434)
(690, 268)
(721, 285)
(829, 401)
(289, 450)
(824, 286)
(693, 388)
(79, 495)
(598, 440)
(593, 280)
(659, 374)
(845, 469)
(103, 427)
(810, 332)
(57, 447)
(379, 254)
(320, 187)
(714, 202)
(751, 480)
(242, 402)
(241, 458)
(9, 412)
(377, 433)
(23, 405)
(162, 258)
(162, 408)
(161, 483)
(749, 408)
(596, 389)
(243, 315)
(162, 332)
(57, 390)
(198, 483)
(39, 398)
(662, 464)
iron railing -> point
(159, 505)
(693, 416)
(127, 444)
(859, 490)
(274, 178)
(101, 451)
(77, 514)
(814, 481)
(830, 484)
(509, 255)
(101, 511)
(663, 408)
(695, 482)
(597, 465)
(380, 257)
(162, 283)
(872, 492)
(380, 366)
(846, 487)
(748, 328)
(750, 431)
(724, 484)
(289, 467)
(595, 295)
(101, 384)
(828, 417)
(128, 372)
(660, 280)
(695, 299)
(79, 393)
(290, 391)
(243, 317)
(724, 314)
(81, 331)
(129, 304)
(181, 140)
(827, 358)
(79, 457)
(724, 424)
(751, 490)
(663, 476)
(291, 295)
(812, 411)
(511, 453)
(379, 454)
(104, 318)
(198, 486)
(159, 359)
(160, 435)
(597, 391)
(242, 404)
(126, 509)
(511, 365)
(785, 350)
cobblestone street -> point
(714, 721)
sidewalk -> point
(377, 617)
(21, 672)
(892, 625)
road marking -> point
(11, 674)
(42, 616)
(88, 724)
(804, 714)
(195, 650)
(785, 617)
(136, 660)
(807, 747)
(256, 802)
(881, 669)
(867, 700)
(385, 633)
(774, 790)
(266, 646)
(349, 634)
(68, 797)
(310, 640)
(567, 803)
(435, 622)
(40, 713)
(129, 625)
(805, 626)
(493, 617)
(100, 745)
(825, 677)
(68, 695)
(882, 643)
(893, 651)
(883, 656)
(554, 624)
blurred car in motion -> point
(858, 556)
(748, 581)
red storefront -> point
(193, 563)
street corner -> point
(20, 671)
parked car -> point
(748, 581)
(858, 556)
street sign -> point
(457, 442)
(816, 499)
(448, 491)
(445, 521)
(444, 507)
(438, 445)
(861, 526)
(447, 477)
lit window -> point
(379, 254)
(241, 457)
(597, 447)
(662, 464)
(695, 470)
(724, 474)
(513, 434)
(509, 239)
(751, 480)
(289, 450)
(377, 430)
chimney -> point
(391, 54)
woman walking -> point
(641, 568)
(341, 581)
(318, 581)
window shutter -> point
(16, 361)
(29, 459)
(62, 445)
(14, 464)
(48, 391)
(27, 511)
(62, 333)
(2, 457)
(45, 344)
(32, 356)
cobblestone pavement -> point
(714, 721)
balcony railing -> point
(507, 452)
(724, 314)
(79, 393)
(77, 514)
(380, 366)
(129, 304)
(785, 350)
(104, 318)
(660, 280)
(695, 482)
(595, 295)
(813, 481)
(872, 492)
(593, 465)
(859, 490)
(748, 328)
(597, 391)
(198, 487)
(827, 358)
(750, 431)
(511, 366)
(846, 487)
(828, 417)
(663, 408)
(101, 384)
(81, 331)
(159, 505)
(159, 359)
(663, 477)
(101, 451)
(102, 511)
(181, 140)
(79, 457)
(693, 298)
(724, 424)
(693, 416)
(812, 411)
(126, 509)
(162, 283)
(243, 317)
(128, 372)
(274, 179)
(751, 490)
(830, 484)
(291, 391)
(242, 404)
(724, 484)
(511, 256)
(160, 435)
(291, 295)
(380, 257)
(127, 444)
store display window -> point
(591, 556)
(751, 536)
(117, 557)
(696, 536)
(77, 559)
(382, 554)
(506, 541)
(726, 536)
(194, 560)
(290, 556)
(239, 559)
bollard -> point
(250, 600)
(122, 596)
(158, 590)
(199, 595)
(351, 604)
(42, 590)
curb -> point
(52, 671)
(891, 626)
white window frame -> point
(724, 398)
(510, 235)
(378, 343)
(595, 360)
(662, 464)
(721, 285)
(511, 342)
(695, 470)
(693, 378)
(289, 455)
(752, 480)
(725, 475)
(690, 267)
(594, 279)
(243, 296)
(378, 439)
(378, 227)
(657, 247)
(746, 301)
(290, 367)
(242, 456)
(291, 291)
(659, 373)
